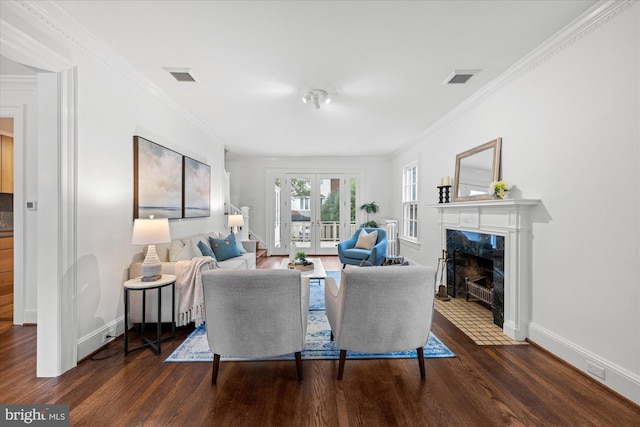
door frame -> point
(283, 174)
(56, 348)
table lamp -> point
(151, 232)
(235, 221)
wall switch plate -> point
(32, 206)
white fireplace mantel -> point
(511, 219)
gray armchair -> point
(381, 310)
(255, 313)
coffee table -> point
(317, 273)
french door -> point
(311, 212)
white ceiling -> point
(384, 62)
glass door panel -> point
(301, 211)
(310, 212)
(328, 223)
(277, 221)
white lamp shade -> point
(236, 221)
(151, 231)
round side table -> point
(138, 285)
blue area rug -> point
(318, 345)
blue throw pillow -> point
(224, 248)
(206, 250)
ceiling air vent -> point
(460, 77)
(181, 74)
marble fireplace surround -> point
(512, 220)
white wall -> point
(247, 176)
(105, 185)
(571, 133)
(113, 105)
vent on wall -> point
(460, 77)
(181, 74)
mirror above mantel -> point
(476, 169)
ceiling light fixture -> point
(317, 96)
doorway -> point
(311, 212)
(6, 222)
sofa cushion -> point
(225, 248)
(236, 263)
(366, 240)
(206, 250)
(180, 251)
(197, 239)
(241, 247)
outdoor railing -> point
(329, 231)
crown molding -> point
(48, 16)
(583, 25)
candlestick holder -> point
(447, 189)
(440, 193)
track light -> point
(317, 96)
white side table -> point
(138, 285)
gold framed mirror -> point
(476, 169)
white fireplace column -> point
(512, 220)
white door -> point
(311, 212)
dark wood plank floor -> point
(482, 386)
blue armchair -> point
(349, 254)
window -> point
(410, 202)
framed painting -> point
(157, 188)
(197, 188)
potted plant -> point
(301, 258)
(370, 208)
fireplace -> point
(497, 231)
(476, 269)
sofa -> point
(183, 250)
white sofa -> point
(167, 254)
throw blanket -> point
(190, 294)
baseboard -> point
(93, 341)
(30, 317)
(614, 377)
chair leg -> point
(331, 337)
(343, 356)
(343, 266)
(421, 361)
(216, 368)
(299, 366)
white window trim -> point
(405, 202)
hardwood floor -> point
(482, 386)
